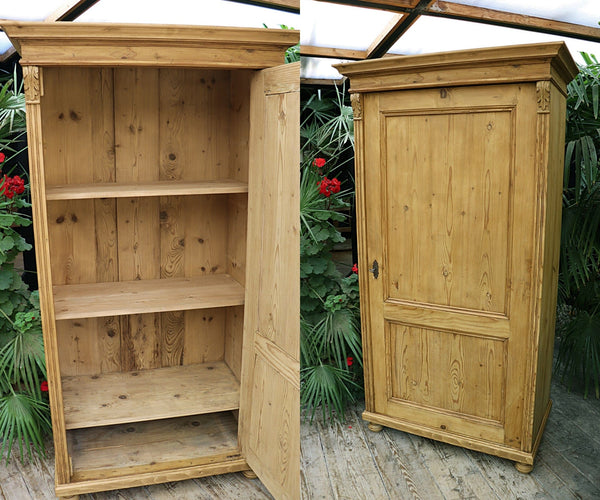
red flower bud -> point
(349, 360)
(44, 386)
(355, 269)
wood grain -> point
(142, 219)
(146, 296)
(116, 398)
(144, 446)
(90, 44)
(157, 188)
(270, 399)
(461, 206)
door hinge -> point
(375, 269)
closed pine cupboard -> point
(459, 160)
(166, 217)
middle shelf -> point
(144, 189)
(122, 397)
(116, 298)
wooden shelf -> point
(118, 398)
(119, 298)
(113, 451)
(137, 190)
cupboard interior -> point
(146, 184)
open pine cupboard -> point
(164, 186)
(459, 161)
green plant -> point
(578, 356)
(24, 410)
(331, 354)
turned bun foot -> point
(523, 468)
(249, 474)
(375, 427)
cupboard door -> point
(270, 380)
(449, 192)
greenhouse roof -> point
(333, 31)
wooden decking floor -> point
(347, 461)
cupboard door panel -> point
(450, 190)
(270, 389)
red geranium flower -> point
(319, 162)
(324, 187)
(327, 187)
(2, 157)
(334, 185)
(349, 360)
(355, 269)
(44, 386)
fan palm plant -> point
(579, 279)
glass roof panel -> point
(583, 12)
(435, 34)
(205, 13)
(325, 24)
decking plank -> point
(353, 472)
(314, 472)
(401, 466)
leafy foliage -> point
(24, 409)
(331, 354)
(579, 279)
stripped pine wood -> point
(270, 379)
(147, 296)
(144, 225)
(157, 188)
(136, 130)
(115, 398)
(200, 439)
(462, 239)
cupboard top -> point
(515, 63)
(103, 44)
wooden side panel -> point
(270, 390)
(36, 139)
(236, 267)
(551, 138)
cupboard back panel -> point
(105, 125)
(140, 125)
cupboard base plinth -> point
(249, 474)
(129, 481)
(472, 443)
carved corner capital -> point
(542, 90)
(32, 83)
(356, 101)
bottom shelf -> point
(153, 446)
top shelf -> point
(137, 190)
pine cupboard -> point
(164, 184)
(459, 160)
